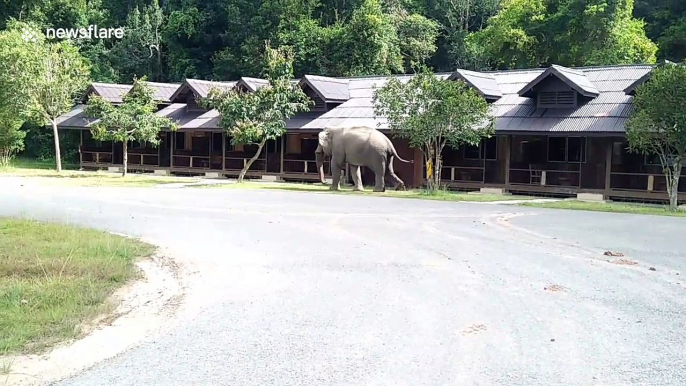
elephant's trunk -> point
(319, 156)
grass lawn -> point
(53, 278)
(31, 168)
(614, 207)
(441, 195)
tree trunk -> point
(437, 170)
(251, 161)
(126, 158)
(58, 157)
(673, 184)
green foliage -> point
(133, 120)
(531, 33)
(371, 42)
(255, 118)
(658, 123)
(139, 52)
(11, 138)
(431, 113)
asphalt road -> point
(317, 289)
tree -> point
(254, 118)
(11, 138)
(12, 46)
(658, 123)
(133, 120)
(139, 53)
(532, 33)
(44, 79)
(432, 113)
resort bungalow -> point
(559, 131)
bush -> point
(39, 144)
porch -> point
(557, 165)
(208, 152)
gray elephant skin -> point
(358, 146)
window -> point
(575, 149)
(557, 99)
(179, 141)
(216, 142)
(489, 149)
(618, 151)
(557, 149)
(566, 149)
(472, 152)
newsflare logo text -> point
(90, 32)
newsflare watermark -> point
(90, 32)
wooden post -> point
(223, 150)
(171, 156)
(81, 149)
(608, 166)
(651, 182)
(483, 171)
(305, 167)
(452, 174)
(283, 151)
(543, 177)
(508, 149)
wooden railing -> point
(547, 177)
(238, 163)
(462, 173)
(144, 159)
(640, 182)
(191, 161)
(298, 166)
(98, 157)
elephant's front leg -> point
(357, 178)
(335, 175)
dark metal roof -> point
(76, 119)
(484, 83)
(201, 88)
(605, 113)
(163, 91)
(329, 89)
(252, 84)
(631, 90)
(514, 113)
(575, 79)
(113, 93)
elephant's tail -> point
(394, 153)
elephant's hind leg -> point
(399, 184)
(357, 178)
(380, 171)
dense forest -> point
(222, 39)
(169, 40)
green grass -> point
(54, 278)
(441, 195)
(613, 207)
(45, 170)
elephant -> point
(357, 146)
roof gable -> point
(631, 90)
(252, 84)
(113, 93)
(329, 89)
(575, 79)
(200, 88)
(484, 84)
(163, 91)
